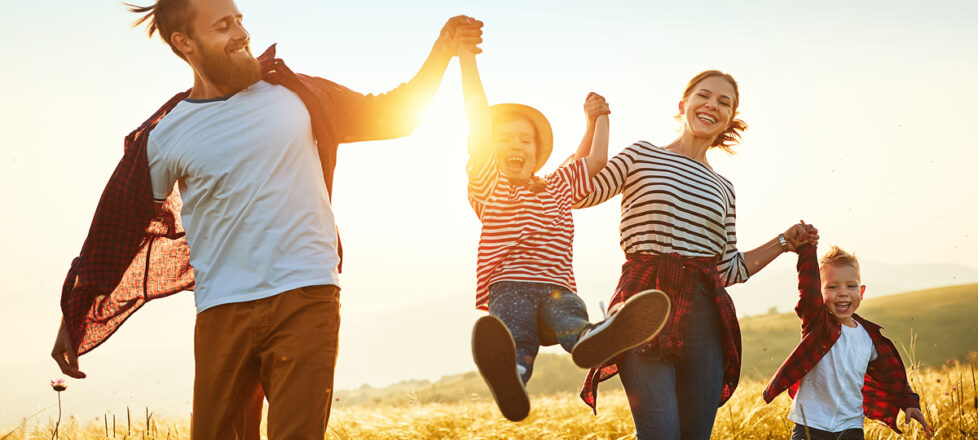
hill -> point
(943, 320)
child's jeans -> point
(537, 314)
(679, 401)
(799, 433)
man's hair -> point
(166, 17)
(838, 257)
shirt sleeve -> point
(482, 182)
(810, 306)
(574, 177)
(732, 266)
(161, 175)
(608, 183)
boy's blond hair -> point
(838, 257)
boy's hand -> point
(914, 413)
(594, 106)
(800, 234)
(460, 33)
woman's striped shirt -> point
(526, 235)
(671, 204)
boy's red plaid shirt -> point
(886, 390)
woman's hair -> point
(731, 135)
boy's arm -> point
(398, 112)
(810, 305)
(477, 113)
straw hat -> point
(545, 134)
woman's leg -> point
(515, 304)
(700, 373)
(651, 389)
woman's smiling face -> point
(708, 109)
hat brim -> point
(545, 134)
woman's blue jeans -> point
(679, 401)
(537, 314)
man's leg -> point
(226, 386)
(298, 356)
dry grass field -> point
(948, 395)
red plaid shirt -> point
(679, 278)
(886, 390)
(134, 254)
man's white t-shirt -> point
(830, 395)
(255, 206)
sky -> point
(861, 122)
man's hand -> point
(460, 33)
(64, 353)
(914, 413)
(594, 106)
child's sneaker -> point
(638, 320)
(495, 354)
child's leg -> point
(515, 304)
(563, 313)
(700, 373)
(651, 389)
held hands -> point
(461, 34)
(914, 413)
(595, 105)
(800, 234)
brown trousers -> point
(283, 348)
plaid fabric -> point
(679, 278)
(885, 391)
(133, 254)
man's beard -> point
(231, 71)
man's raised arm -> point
(398, 112)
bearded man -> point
(246, 158)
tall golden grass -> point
(948, 397)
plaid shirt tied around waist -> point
(885, 391)
(679, 277)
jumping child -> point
(525, 273)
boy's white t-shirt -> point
(255, 206)
(830, 395)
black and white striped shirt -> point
(671, 203)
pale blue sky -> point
(861, 114)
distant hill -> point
(944, 320)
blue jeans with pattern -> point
(537, 314)
(679, 401)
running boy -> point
(844, 369)
(525, 273)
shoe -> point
(638, 320)
(494, 352)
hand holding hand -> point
(595, 105)
(64, 353)
(800, 234)
(915, 414)
(461, 34)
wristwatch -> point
(783, 242)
